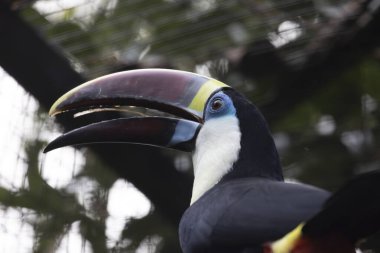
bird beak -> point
(182, 94)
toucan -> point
(239, 201)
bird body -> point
(239, 215)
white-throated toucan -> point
(239, 200)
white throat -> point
(217, 148)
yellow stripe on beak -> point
(199, 101)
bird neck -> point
(217, 149)
(258, 156)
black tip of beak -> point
(53, 145)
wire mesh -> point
(196, 29)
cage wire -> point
(189, 31)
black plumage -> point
(353, 211)
(258, 156)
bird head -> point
(226, 134)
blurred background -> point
(313, 68)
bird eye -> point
(216, 104)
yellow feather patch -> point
(286, 244)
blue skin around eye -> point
(227, 108)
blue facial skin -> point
(225, 106)
(186, 130)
